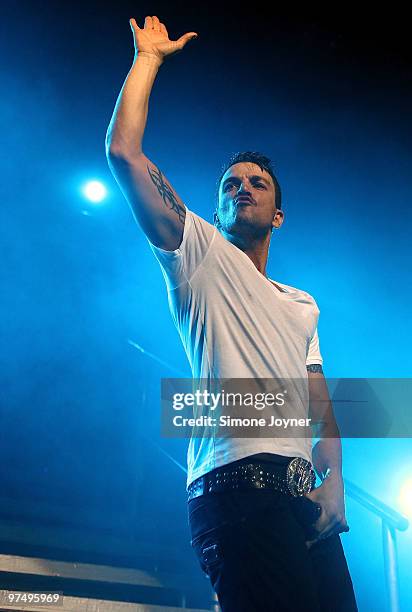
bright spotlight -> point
(95, 191)
(405, 498)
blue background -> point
(328, 98)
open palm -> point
(154, 39)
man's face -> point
(247, 201)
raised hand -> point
(153, 38)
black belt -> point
(296, 478)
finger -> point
(133, 24)
(163, 29)
(325, 524)
(156, 23)
(342, 527)
(336, 528)
(148, 23)
(322, 522)
(183, 40)
(327, 534)
(314, 496)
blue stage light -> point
(95, 191)
(405, 498)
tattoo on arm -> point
(314, 367)
(166, 193)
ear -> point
(278, 219)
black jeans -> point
(251, 544)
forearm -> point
(327, 457)
(327, 453)
(126, 129)
(327, 460)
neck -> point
(257, 249)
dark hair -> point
(260, 160)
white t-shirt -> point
(234, 323)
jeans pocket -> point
(208, 551)
(306, 513)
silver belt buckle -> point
(300, 477)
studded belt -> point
(295, 479)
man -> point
(265, 536)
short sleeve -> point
(313, 355)
(179, 266)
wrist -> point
(150, 59)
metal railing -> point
(391, 521)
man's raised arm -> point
(156, 206)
